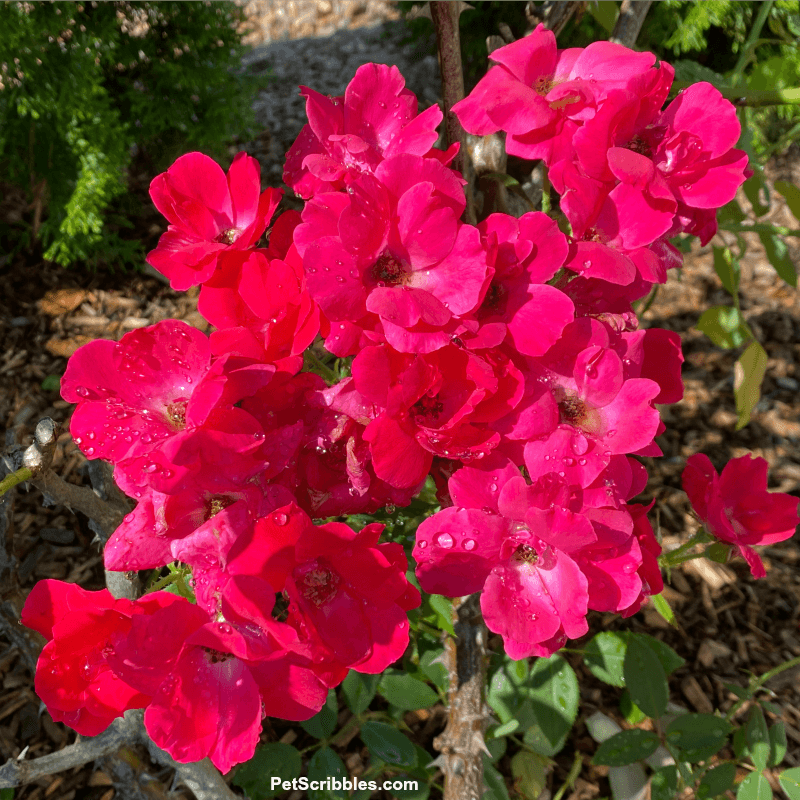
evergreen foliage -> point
(84, 86)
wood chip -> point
(715, 575)
(693, 692)
(64, 348)
(62, 301)
(711, 649)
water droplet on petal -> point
(280, 518)
(444, 540)
(469, 544)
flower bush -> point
(504, 360)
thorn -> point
(480, 743)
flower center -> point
(388, 271)
(639, 145)
(525, 554)
(572, 410)
(542, 85)
(176, 414)
(215, 656)
(318, 585)
(217, 504)
(427, 410)
(228, 236)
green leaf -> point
(321, 725)
(52, 383)
(388, 744)
(406, 692)
(444, 612)
(645, 678)
(730, 213)
(664, 783)
(716, 781)
(626, 747)
(726, 265)
(724, 326)
(554, 694)
(605, 12)
(668, 658)
(792, 196)
(359, 689)
(757, 737)
(630, 710)
(604, 656)
(436, 673)
(693, 72)
(698, 736)
(777, 744)
(273, 760)
(778, 255)
(753, 187)
(790, 782)
(748, 374)
(530, 775)
(497, 747)
(495, 785)
(6, 794)
(326, 764)
(754, 787)
(663, 607)
(505, 694)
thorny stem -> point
(445, 20)
(676, 556)
(462, 744)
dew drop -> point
(469, 544)
(81, 391)
(280, 518)
(444, 540)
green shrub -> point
(84, 86)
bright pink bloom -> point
(212, 683)
(73, 676)
(261, 307)
(209, 213)
(348, 593)
(346, 136)
(736, 507)
(540, 96)
(391, 257)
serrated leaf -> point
(664, 783)
(726, 265)
(754, 787)
(698, 736)
(777, 744)
(791, 194)
(605, 12)
(632, 713)
(388, 744)
(436, 673)
(404, 691)
(790, 782)
(668, 658)
(778, 255)
(321, 725)
(663, 607)
(748, 375)
(753, 187)
(757, 737)
(604, 656)
(273, 760)
(505, 694)
(724, 326)
(716, 781)
(444, 612)
(626, 747)
(495, 785)
(359, 689)
(645, 678)
(553, 693)
(530, 774)
(326, 764)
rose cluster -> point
(503, 359)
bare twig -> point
(445, 20)
(121, 731)
(629, 22)
(462, 745)
(80, 498)
(554, 14)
